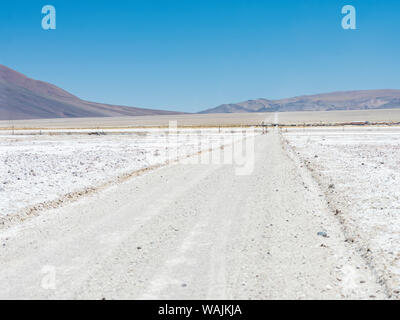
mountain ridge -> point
(23, 98)
(338, 100)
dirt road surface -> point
(190, 232)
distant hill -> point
(25, 98)
(345, 100)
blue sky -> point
(191, 55)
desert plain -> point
(298, 205)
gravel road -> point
(190, 231)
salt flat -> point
(190, 231)
(39, 168)
(359, 170)
(314, 218)
(208, 120)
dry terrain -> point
(359, 171)
(213, 120)
(91, 210)
(38, 169)
(191, 231)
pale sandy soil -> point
(39, 168)
(386, 115)
(359, 171)
(191, 231)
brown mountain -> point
(345, 100)
(25, 98)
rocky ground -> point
(36, 169)
(359, 170)
(191, 231)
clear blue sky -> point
(191, 55)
